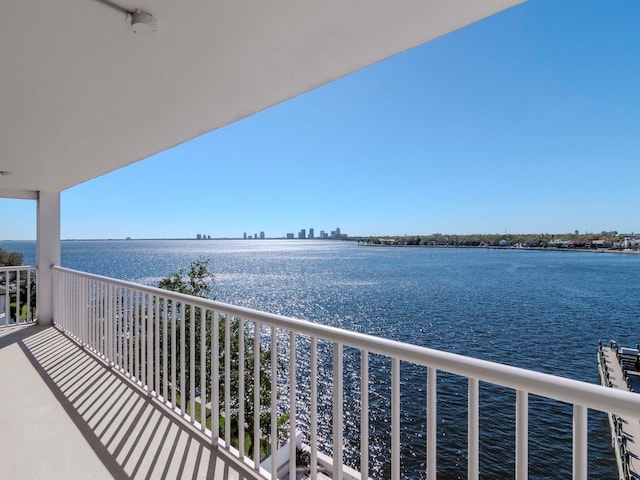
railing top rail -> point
(563, 389)
(19, 267)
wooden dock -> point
(617, 366)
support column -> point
(47, 252)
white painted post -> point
(47, 252)
(432, 423)
(215, 377)
(241, 393)
(474, 430)
(364, 414)
(338, 411)
(580, 435)
(203, 367)
(292, 405)
(314, 408)
(192, 364)
(227, 381)
(274, 401)
(150, 357)
(522, 435)
(257, 348)
(395, 419)
(18, 300)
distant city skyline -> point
(301, 235)
(525, 122)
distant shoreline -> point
(359, 241)
(495, 247)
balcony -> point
(133, 381)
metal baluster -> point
(215, 377)
(274, 400)
(192, 363)
(174, 331)
(395, 418)
(579, 442)
(473, 430)
(257, 351)
(432, 423)
(364, 414)
(522, 435)
(203, 369)
(314, 408)
(292, 405)
(227, 381)
(338, 406)
(183, 392)
(241, 387)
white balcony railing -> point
(145, 333)
(17, 295)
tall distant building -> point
(261, 235)
(245, 235)
(303, 234)
(311, 233)
(323, 234)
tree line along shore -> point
(613, 241)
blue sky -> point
(528, 121)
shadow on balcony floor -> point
(65, 415)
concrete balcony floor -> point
(65, 415)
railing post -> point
(432, 423)
(522, 435)
(579, 442)
(174, 373)
(203, 368)
(111, 325)
(364, 414)
(136, 337)
(292, 405)
(338, 426)
(215, 377)
(473, 430)
(227, 381)
(7, 302)
(150, 342)
(183, 359)
(257, 348)
(144, 364)
(156, 315)
(117, 335)
(165, 350)
(274, 401)
(395, 419)
(129, 345)
(314, 408)
(18, 302)
(241, 393)
(192, 364)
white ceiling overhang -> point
(81, 94)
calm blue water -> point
(540, 310)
